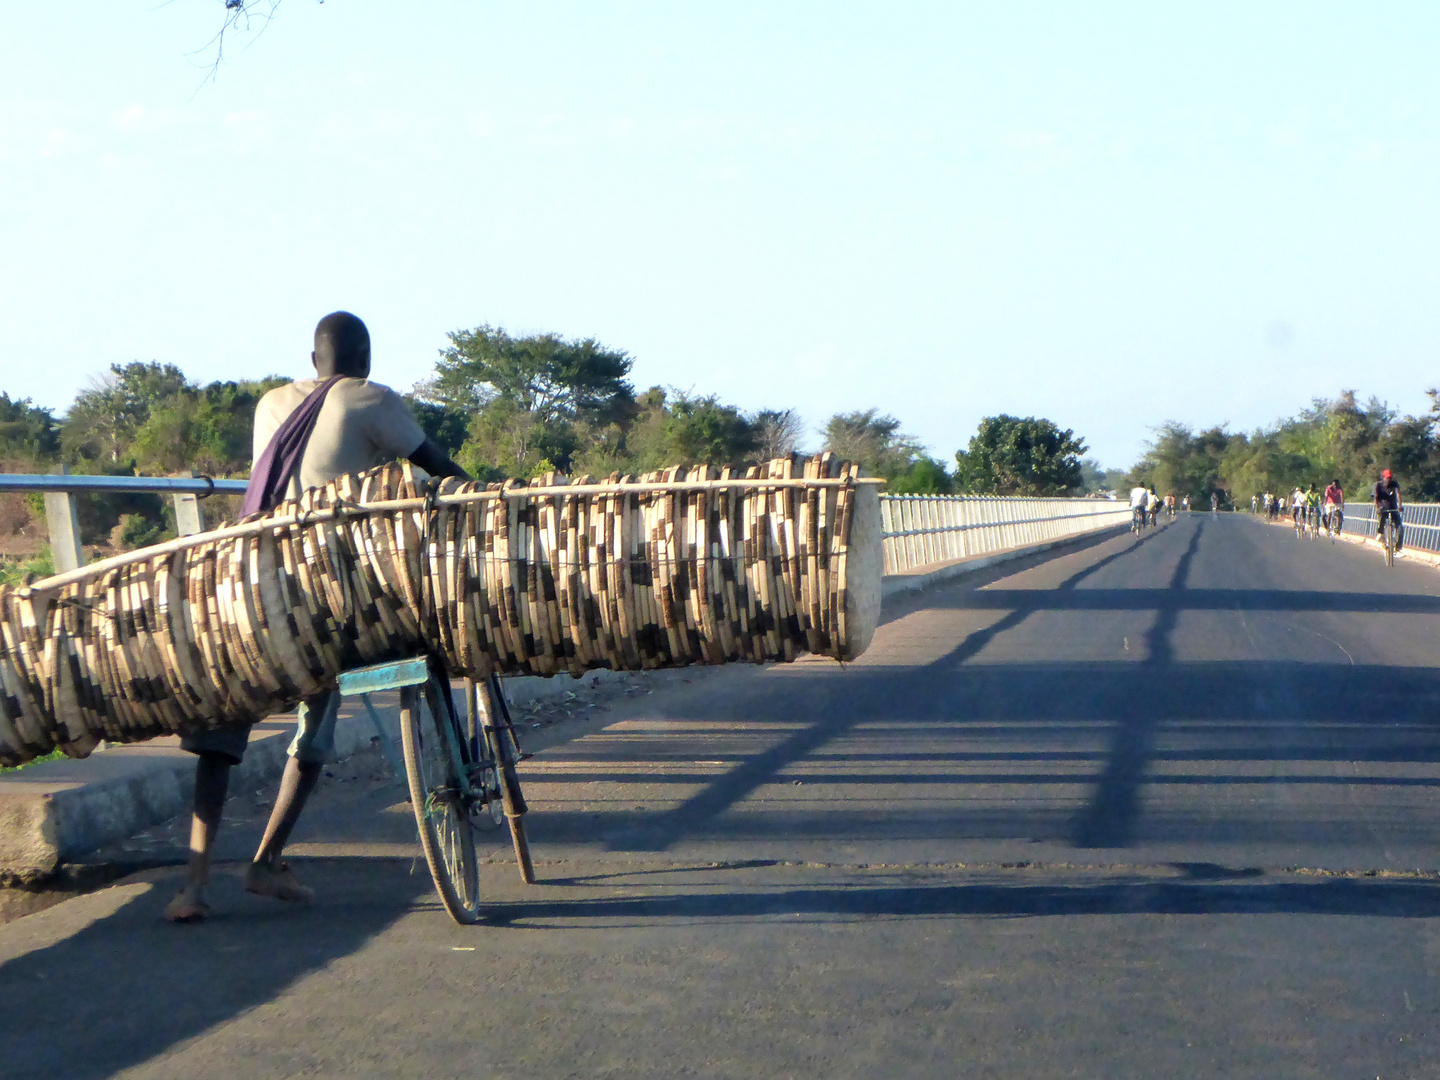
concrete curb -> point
(58, 811)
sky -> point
(1108, 214)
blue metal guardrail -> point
(1422, 523)
(61, 488)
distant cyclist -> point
(1185, 504)
(1334, 507)
(1297, 509)
(1254, 503)
(1139, 502)
(1214, 502)
(1312, 507)
(1153, 505)
(1170, 507)
(1386, 494)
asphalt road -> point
(1147, 809)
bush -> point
(19, 571)
(135, 531)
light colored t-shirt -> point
(361, 425)
(1139, 497)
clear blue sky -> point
(1107, 214)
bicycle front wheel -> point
(432, 755)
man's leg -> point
(296, 784)
(212, 781)
(312, 748)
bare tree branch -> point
(242, 17)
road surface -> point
(1151, 809)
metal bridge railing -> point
(918, 529)
(64, 524)
(923, 529)
(1421, 521)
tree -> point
(105, 417)
(443, 423)
(1179, 462)
(27, 430)
(1096, 478)
(873, 441)
(209, 430)
(777, 433)
(544, 375)
(701, 430)
(924, 476)
(1011, 455)
(525, 402)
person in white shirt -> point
(1139, 502)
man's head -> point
(342, 346)
(1386, 474)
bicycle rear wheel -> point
(1389, 544)
(430, 743)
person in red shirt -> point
(1333, 507)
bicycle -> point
(1297, 518)
(1387, 537)
(1312, 522)
(1334, 522)
(1137, 520)
(459, 774)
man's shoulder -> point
(278, 403)
(364, 392)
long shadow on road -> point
(658, 833)
(1111, 814)
(1393, 899)
(127, 987)
(1312, 724)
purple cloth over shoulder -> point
(270, 477)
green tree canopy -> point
(27, 430)
(105, 418)
(1331, 439)
(701, 430)
(544, 375)
(209, 429)
(874, 441)
(1010, 455)
(525, 404)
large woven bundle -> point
(678, 567)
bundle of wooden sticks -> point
(682, 566)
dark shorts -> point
(314, 741)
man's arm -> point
(430, 457)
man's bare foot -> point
(262, 879)
(188, 906)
